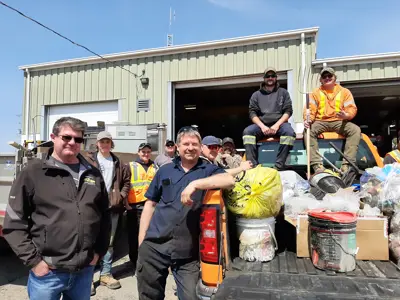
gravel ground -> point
(13, 278)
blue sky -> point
(346, 28)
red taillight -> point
(209, 235)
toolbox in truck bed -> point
(288, 277)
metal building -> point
(208, 84)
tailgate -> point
(289, 277)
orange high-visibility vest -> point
(395, 154)
(140, 182)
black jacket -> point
(49, 218)
(270, 106)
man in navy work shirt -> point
(170, 222)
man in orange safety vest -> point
(331, 109)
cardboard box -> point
(371, 237)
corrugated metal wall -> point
(364, 71)
(370, 71)
(106, 81)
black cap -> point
(144, 145)
(228, 140)
(169, 142)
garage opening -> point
(378, 113)
(221, 111)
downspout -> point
(27, 102)
(303, 67)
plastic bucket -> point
(333, 240)
(257, 240)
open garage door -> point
(87, 112)
(220, 110)
(378, 113)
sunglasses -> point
(270, 76)
(327, 76)
(170, 145)
(68, 138)
(213, 147)
(187, 128)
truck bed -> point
(288, 277)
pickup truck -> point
(225, 276)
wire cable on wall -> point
(66, 38)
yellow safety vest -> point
(140, 182)
(322, 109)
(395, 154)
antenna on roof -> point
(170, 36)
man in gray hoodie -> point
(270, 109)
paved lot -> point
(13, 278)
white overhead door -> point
(87, 112)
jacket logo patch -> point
(89, 180)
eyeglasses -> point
(327, 76)
(270, 76)
(187, 128)
(213, 147)
(68, 138)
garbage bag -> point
(257, 195)
(301, 204)
(342, 200)
(394, 246)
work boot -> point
(318, 168)
(110, 282)
(92, 290)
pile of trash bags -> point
(298, 199)
(258, 194)
(381, 189)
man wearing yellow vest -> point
(331, 109)
(142, 172)
(393, 156)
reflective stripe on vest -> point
(322, 103)
(140, 182)
(395, 154)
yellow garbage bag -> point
(257, 195)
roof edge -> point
(231, 42)
(358, 59)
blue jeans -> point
(72, 286)
(106, 261)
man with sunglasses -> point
(211, 151)
(168, 155)
(142, 173)
(170, 223)
(57, 218)
(331, 109)
(270, 109)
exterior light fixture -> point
(144, 80)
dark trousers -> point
(133, 223)
(252, 134)
(152, 273)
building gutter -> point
(358, 59)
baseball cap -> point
(104, 135)
(211, 140)
(228, 140)
(169, 142)
(327, 70)
(144, 145)
(269, 69)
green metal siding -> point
(106, 81)
(369, 71)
